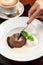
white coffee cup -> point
(9, 9)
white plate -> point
(20, 7)
(24, 53)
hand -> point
(36, 11)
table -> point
(5, 61)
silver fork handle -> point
(25, 27)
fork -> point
(22, 30)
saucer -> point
(20, 8)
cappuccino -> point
(8, 3)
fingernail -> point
(28, 22)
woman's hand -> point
(36, 11)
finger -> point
(35, 14)
(40, 15)
(32, 10)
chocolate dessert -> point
(13, 41)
